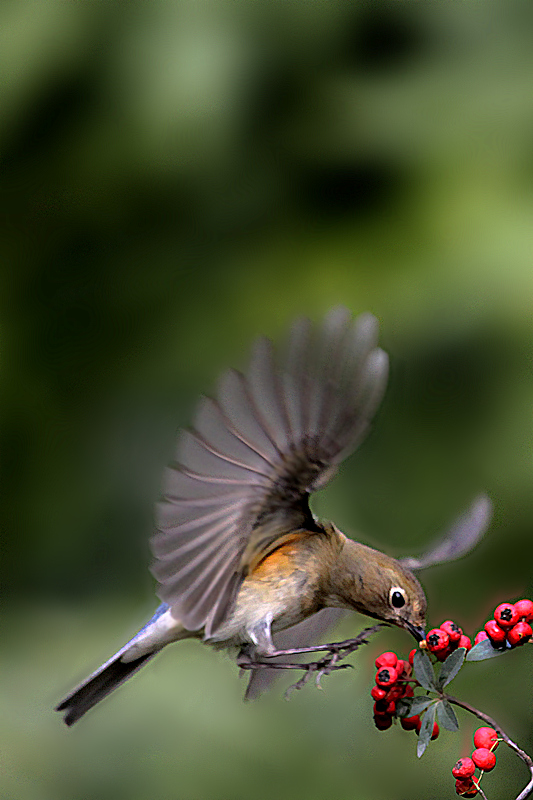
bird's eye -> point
(397, 597)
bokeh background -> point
(176, 178)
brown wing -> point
(244, 472)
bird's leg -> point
(336, 651)
(261, 636)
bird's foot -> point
(338, 649)
(335, 652)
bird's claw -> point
(324, 666)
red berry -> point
(486, 737)
(382, 721)
(395, 692)
(481, 637)
(437, 640)
(407, 670)
(386, 660)
(453, 630)
(387, 676)
(484, 759)
(442, 655)
(524, 609)
(400, 667)
(464, 768)
(378, 693)
(519, 634)
(412, 655)
(506, 615)
(410, 723)
(465, 787)
(408, 691)
(464, 641)
(495, 633)
(384, 707)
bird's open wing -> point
(244, 472)
(462, 537)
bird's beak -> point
(417, 631)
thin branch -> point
(480, 790)
(528, 790)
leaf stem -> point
(528, 790)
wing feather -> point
(235, 404)
(462, 537)
(243, 474)
(295, 380)
(217, 431)
(186, 574)
(201, 581)
(262, 382)
(325, 383)
(204, 595)
(201, 458)
(168, 545)
(171, 518)
(179, 484)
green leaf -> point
(403, 707)
(484, 650)
(451, 667)
(446, 716)
(426, 730)
(419, 704)
(424, 671)
(409, 706)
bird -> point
(241, 562)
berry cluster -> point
(393, 680)
(391, 685)
(466, 783)
(444, 640)
(510, 626)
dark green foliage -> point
(485, 650)
(451, 667)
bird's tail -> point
(159, 631)
(98, 685)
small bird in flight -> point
(240, 560)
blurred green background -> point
(176, 178)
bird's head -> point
(401, 600)
(380, 587)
